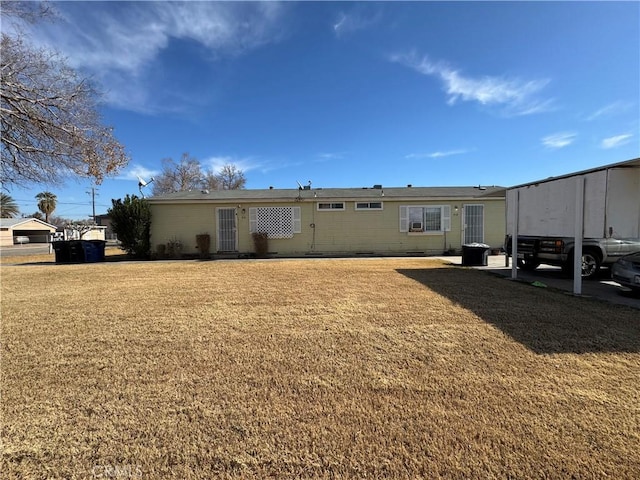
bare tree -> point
(51, 127)
(189, 175)
(30, 12)
(179, 177)
(231, 177)
(211, 181)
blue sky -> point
(355, 94)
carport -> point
(599, 203)
(36, 230)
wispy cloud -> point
(245, 164)
(559, 140)
(515, 96)
(616, 141)
(438, 154)
(136, 170)
(358, 19)
(118, 43)
(614, 108)
(330, 156)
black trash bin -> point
(79, 251)
(61, 248)
(76, 251)
(475, 254)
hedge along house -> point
(332, 221)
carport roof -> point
(633, 163)
(15, 222)
(387, 193)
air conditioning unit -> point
(415, 227)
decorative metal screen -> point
(276, 222)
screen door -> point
(473, 224)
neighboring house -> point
(104, 220)
(91, 232)
(332, 221)
(37, 231)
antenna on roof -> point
(299, 185)
(143, 183)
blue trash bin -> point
(90, 251)
(98, 250)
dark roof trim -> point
(343, 194)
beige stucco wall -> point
(345, 231)
(6, 237)
(182, 223)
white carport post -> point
(578, 233)
(514, 235)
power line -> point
(30, 202)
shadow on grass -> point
(546, 321)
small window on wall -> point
(368, 205)
(331, 206)
(425, 218)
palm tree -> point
(8, 206)
(46, 203)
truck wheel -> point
(590, 264)
(527, 264)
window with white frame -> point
(368, 205)
(425, 218)
(276, 222)
(330, 205)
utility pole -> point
(93, 202)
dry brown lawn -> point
(111, 253)
(372, 368)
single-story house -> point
(90, 232)
(332, 221)
(104, 220)
(37, 231)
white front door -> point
(227, 231)
(473, 224)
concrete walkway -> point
(602, 287)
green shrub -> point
(131, 221)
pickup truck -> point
(558, 251)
